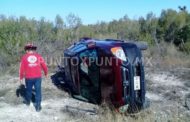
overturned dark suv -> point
(106, 70)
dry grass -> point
(151, 114)
(166, 56)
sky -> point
(90, 11)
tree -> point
(44, 30)
(182, 8)
(59, 24)
(73, 21)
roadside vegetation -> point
(167, 35)
(167, 62)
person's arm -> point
(44, 66)
(21, 71)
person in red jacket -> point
(30, 68)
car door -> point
(89, 75)
(75, 74)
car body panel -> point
(112, 82)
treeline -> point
(171, 27)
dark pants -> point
(36, 82)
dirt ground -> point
(169, 94)
(167, 91)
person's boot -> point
(38, 107)
(26, 102)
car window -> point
(132, 53)
(89, 75)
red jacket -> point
(31, 65)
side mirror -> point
(141, 45)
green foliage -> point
(171, 27)
(174, 26)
